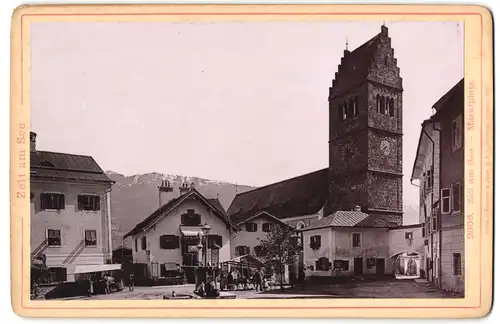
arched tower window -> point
(378, 104)
(382, 105)
(355, 108)
(350, 111)
(386, 60)
(343, 111)
(391, 107)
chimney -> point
(357, 208)
(165, 192)
(384, 31)
(184, 188)
(32, 142)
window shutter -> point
(61, 201)
(162, 242)
(97, 203)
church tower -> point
(366, 131)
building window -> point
(260, 251)
(143, 243)
(456, 133)
(323, 264)
(457, 264)
(267, 227)
(445, 200)
(214, 257)
(169, 242)
(423, 231)
(54, 237)
(379, 108)
(136, 244)
(370, 263)
(315, 242)
(409, 235)
(429, 183)
(214, 241)
(434, 223)
(58, 274)
(251, 227)
(455, 198)
(342, 265)
(190, 218)
(90, 238)
(89, 202)
(242, 250)
(382, 105)
(356, 240)
(52, 201)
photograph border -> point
(478, 164)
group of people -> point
(234, 280)
(94, 284)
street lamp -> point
(205, 229)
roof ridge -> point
(53, 152)
(281, 181)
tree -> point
(281, 247)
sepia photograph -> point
(247, 160)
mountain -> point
(410, 215)
(133, 198)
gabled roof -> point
(456, 91)
(164, 210)
(350, 219)
(303, 195)
(355, 65)
(63, 166)
(217, 205)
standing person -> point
(230, 281)
(131, 282)
(257, 279)
(90, 288)
(107, 288)
(302, 278)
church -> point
(351, 213)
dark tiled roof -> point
(355, 65)
(217, 205)
(169, 206)
(302, 195)
(350, 219)
(63, 166)
(455, 92)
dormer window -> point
(47, 164)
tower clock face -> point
(385, 147)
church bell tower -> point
(366, 131)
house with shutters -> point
(441, 154)
(251, 231)
(172, 236)
(348, 243)
(70, 213)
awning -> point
(89, 268)
(190, 230)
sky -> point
(242, 102)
